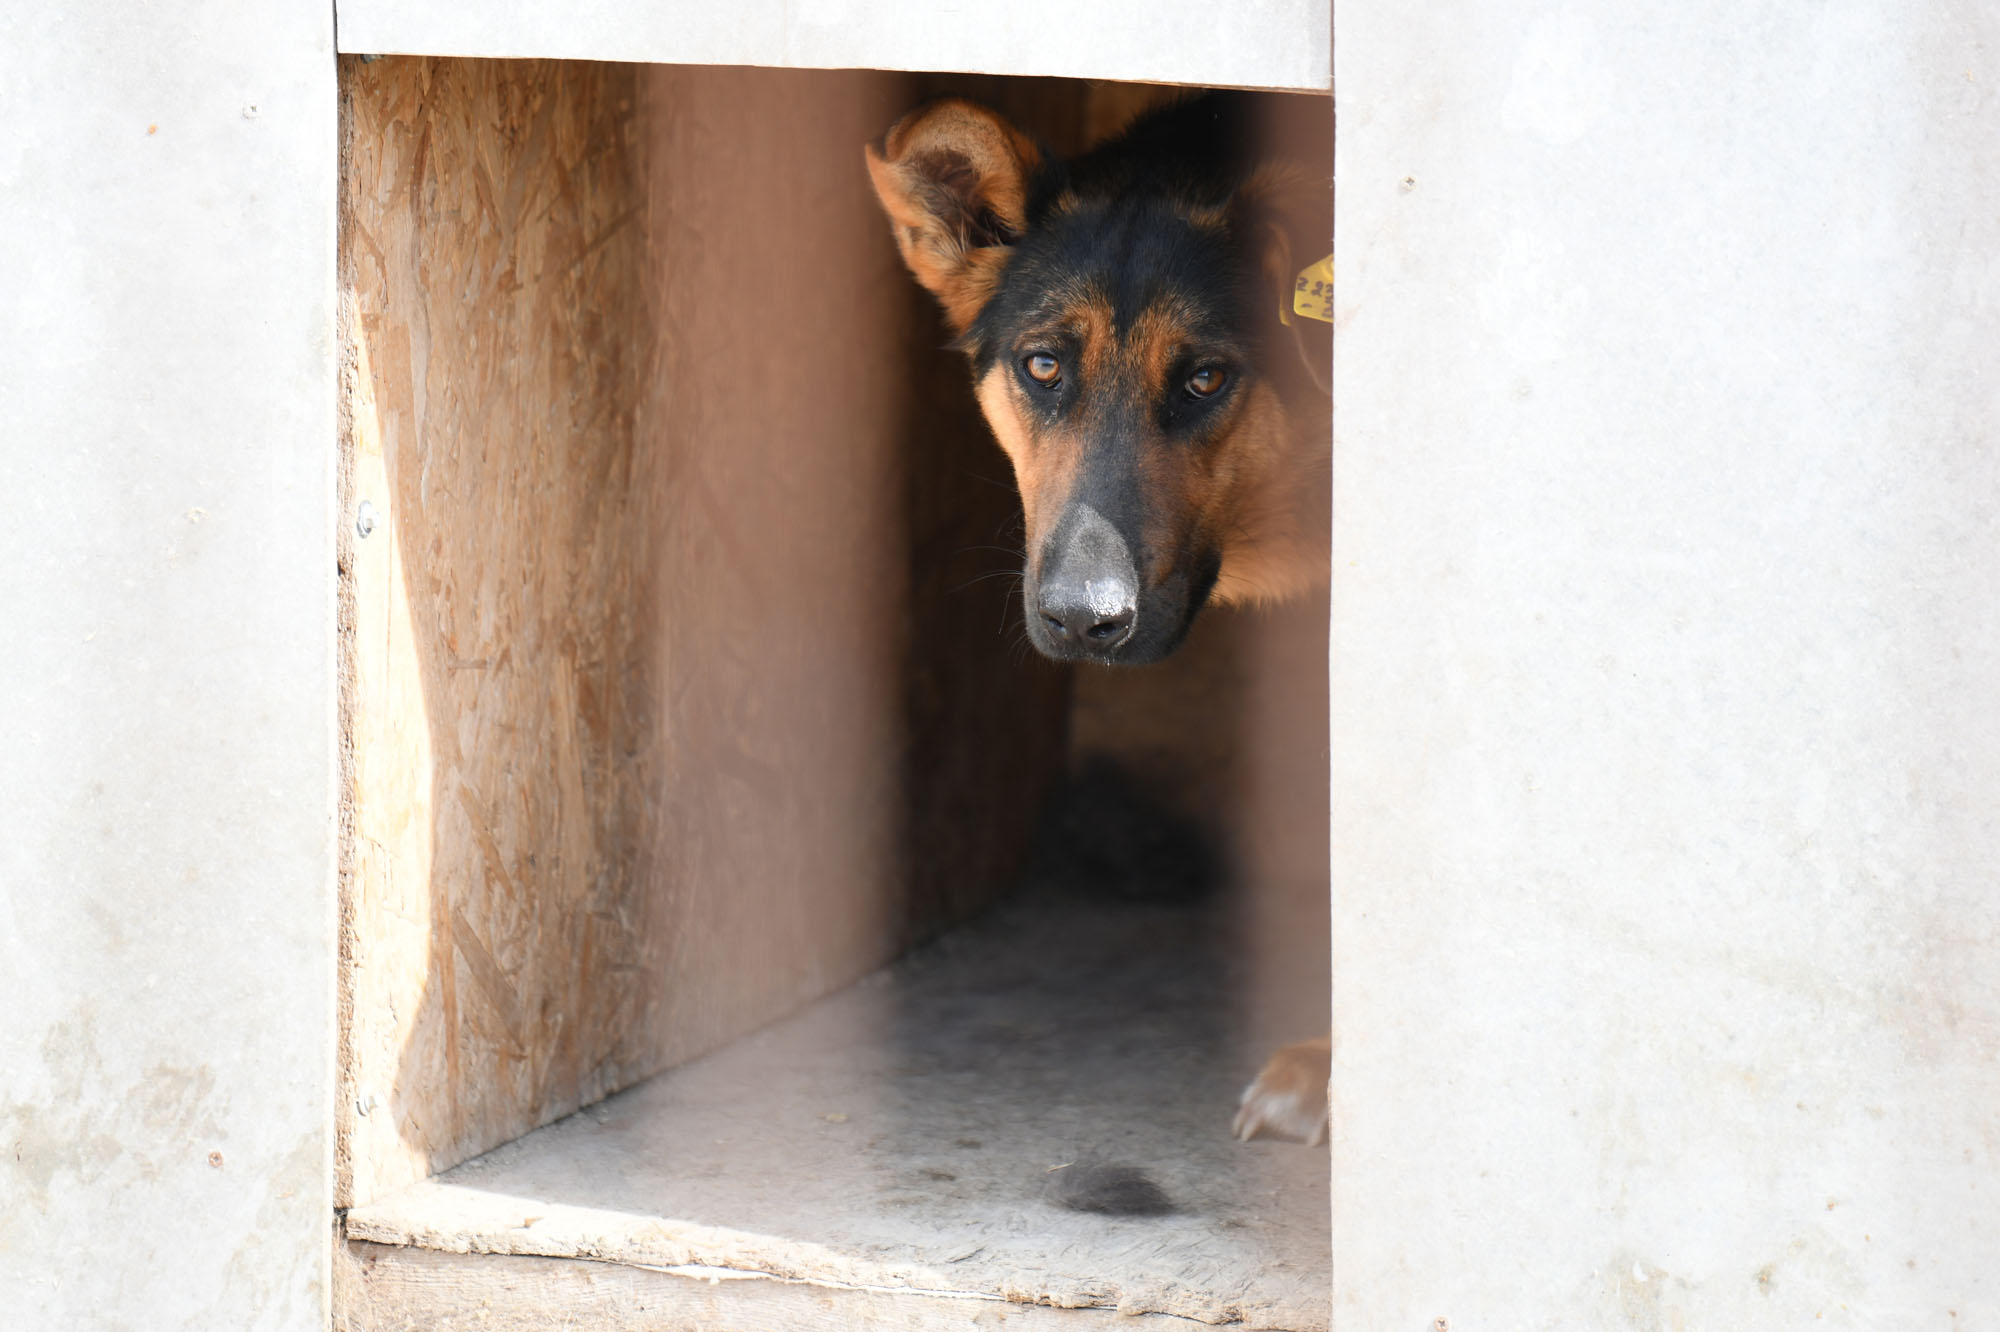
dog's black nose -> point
(1093, 616)
(1086, 601)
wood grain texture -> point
(655, 719)
(499, 718)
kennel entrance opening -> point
(681, 701)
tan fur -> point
(1288, 1099)
(1207, 218)
(1261, 493)
(1155, 339)
(1277, 545)
(1044, 467)
(1262, 496)
(936, 171)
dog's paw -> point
(1288, 1099)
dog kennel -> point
(694, 761)
(1664, 924)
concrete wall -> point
(1665, 744)
(166, 692)
(1248, 43)
(1666, 738)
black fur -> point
(1126, 234)
(1103, 834)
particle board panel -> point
(830, 502)
(498, 720)
(941, 1129)
(777, 531)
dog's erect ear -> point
(954, 179)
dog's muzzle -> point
(1087, 599)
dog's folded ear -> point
(954, 179)
(1276, 211)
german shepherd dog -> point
(1128, 319)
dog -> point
(1127, 316)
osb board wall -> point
(501, 728)
(649, 734)
(830, 469)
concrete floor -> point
(944, 1131)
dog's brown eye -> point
(1043, 368)
(1206, 383)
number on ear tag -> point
(1312, 292)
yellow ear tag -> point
(1312, 292)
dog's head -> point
(1122, 317)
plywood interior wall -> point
(671, 699)
(500, 730)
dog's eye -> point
(1043, 368)
(1207, 382)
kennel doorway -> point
(682, 704)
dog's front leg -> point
(1288, 1099)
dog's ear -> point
(1274, 212)
(954, 179)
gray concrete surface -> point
(1666, 740)
(951, 1128)
(166, 690)
(395, 1288)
